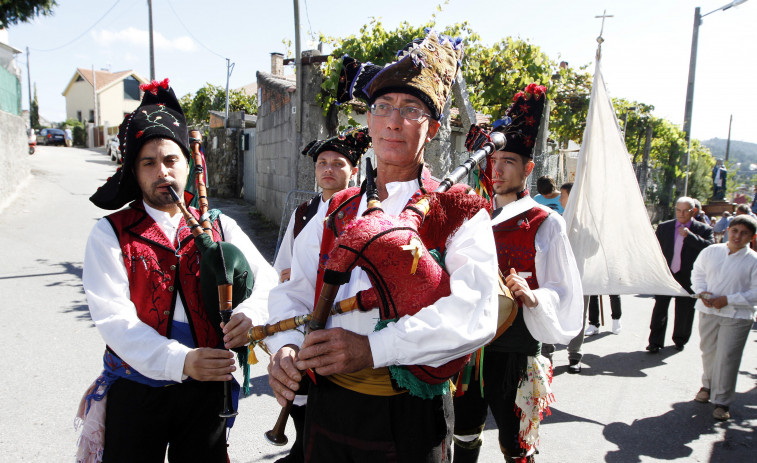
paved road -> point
(626, 406)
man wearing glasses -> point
(356, 411)
(681, 240)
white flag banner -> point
(615, 246)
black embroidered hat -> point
(425, 68)
(521, 122)
(159, 115)
(352, 144)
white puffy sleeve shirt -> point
(453, 326)
(558, 316)
(107, 289)
(731, 275)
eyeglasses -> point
(410, 113)
(683, 211)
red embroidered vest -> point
(514, 239)
(158, 272)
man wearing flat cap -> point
(356, 411)
(165, 359)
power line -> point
(190, 32)
(307, 15)
(80, 35)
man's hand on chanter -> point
(206, 364)
(335, 351)
(283, 376)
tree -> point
(571, 91)
(34, 111)
(15, 11)
(493, 74)
(213, 98)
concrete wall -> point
(14, 156)
(280, 165)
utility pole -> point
(152, 51)
(298, 68)
(29, 83)
(728, 143)
(94, 95)
(229, 70)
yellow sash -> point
(370, 381)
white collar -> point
(514, 208)
(164, 220)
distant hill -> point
(740, 151)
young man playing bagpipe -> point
(335, 161)
(166, 358)
(535, 256)
(356, 411)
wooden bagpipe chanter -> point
(226, 278)
(398, 255)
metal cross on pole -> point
(601, 31)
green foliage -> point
(701, 163)
(16, 11)
(197, 107)
(571, 90)
(78, 131)
(494, 74)
(34, 111)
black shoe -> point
(679, 347)
(574, 367)
(653, 348)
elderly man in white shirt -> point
(355, 411)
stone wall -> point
(14, 156)
(225, 162)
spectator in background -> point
(726, 276)
(594, 315)
(565, 193)
(69, 136)
(699, 214)
(681, 240)
(754, 200)
(548, 194)
(742, 209)
(721, 226)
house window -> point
(78, 116)
(91, 115)
(79, 78)
(131, 88)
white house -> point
(118, 94)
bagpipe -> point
(399, 256)
(226, 278)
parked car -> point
(51, 137)
(113, 150)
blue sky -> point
(645, 54)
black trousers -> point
(141, 421)
(499, 396)
(684, 316)
(594, 309)
(345, 426)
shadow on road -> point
(667, 437)
(259, 385)
(80, 307)
(622, 364)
